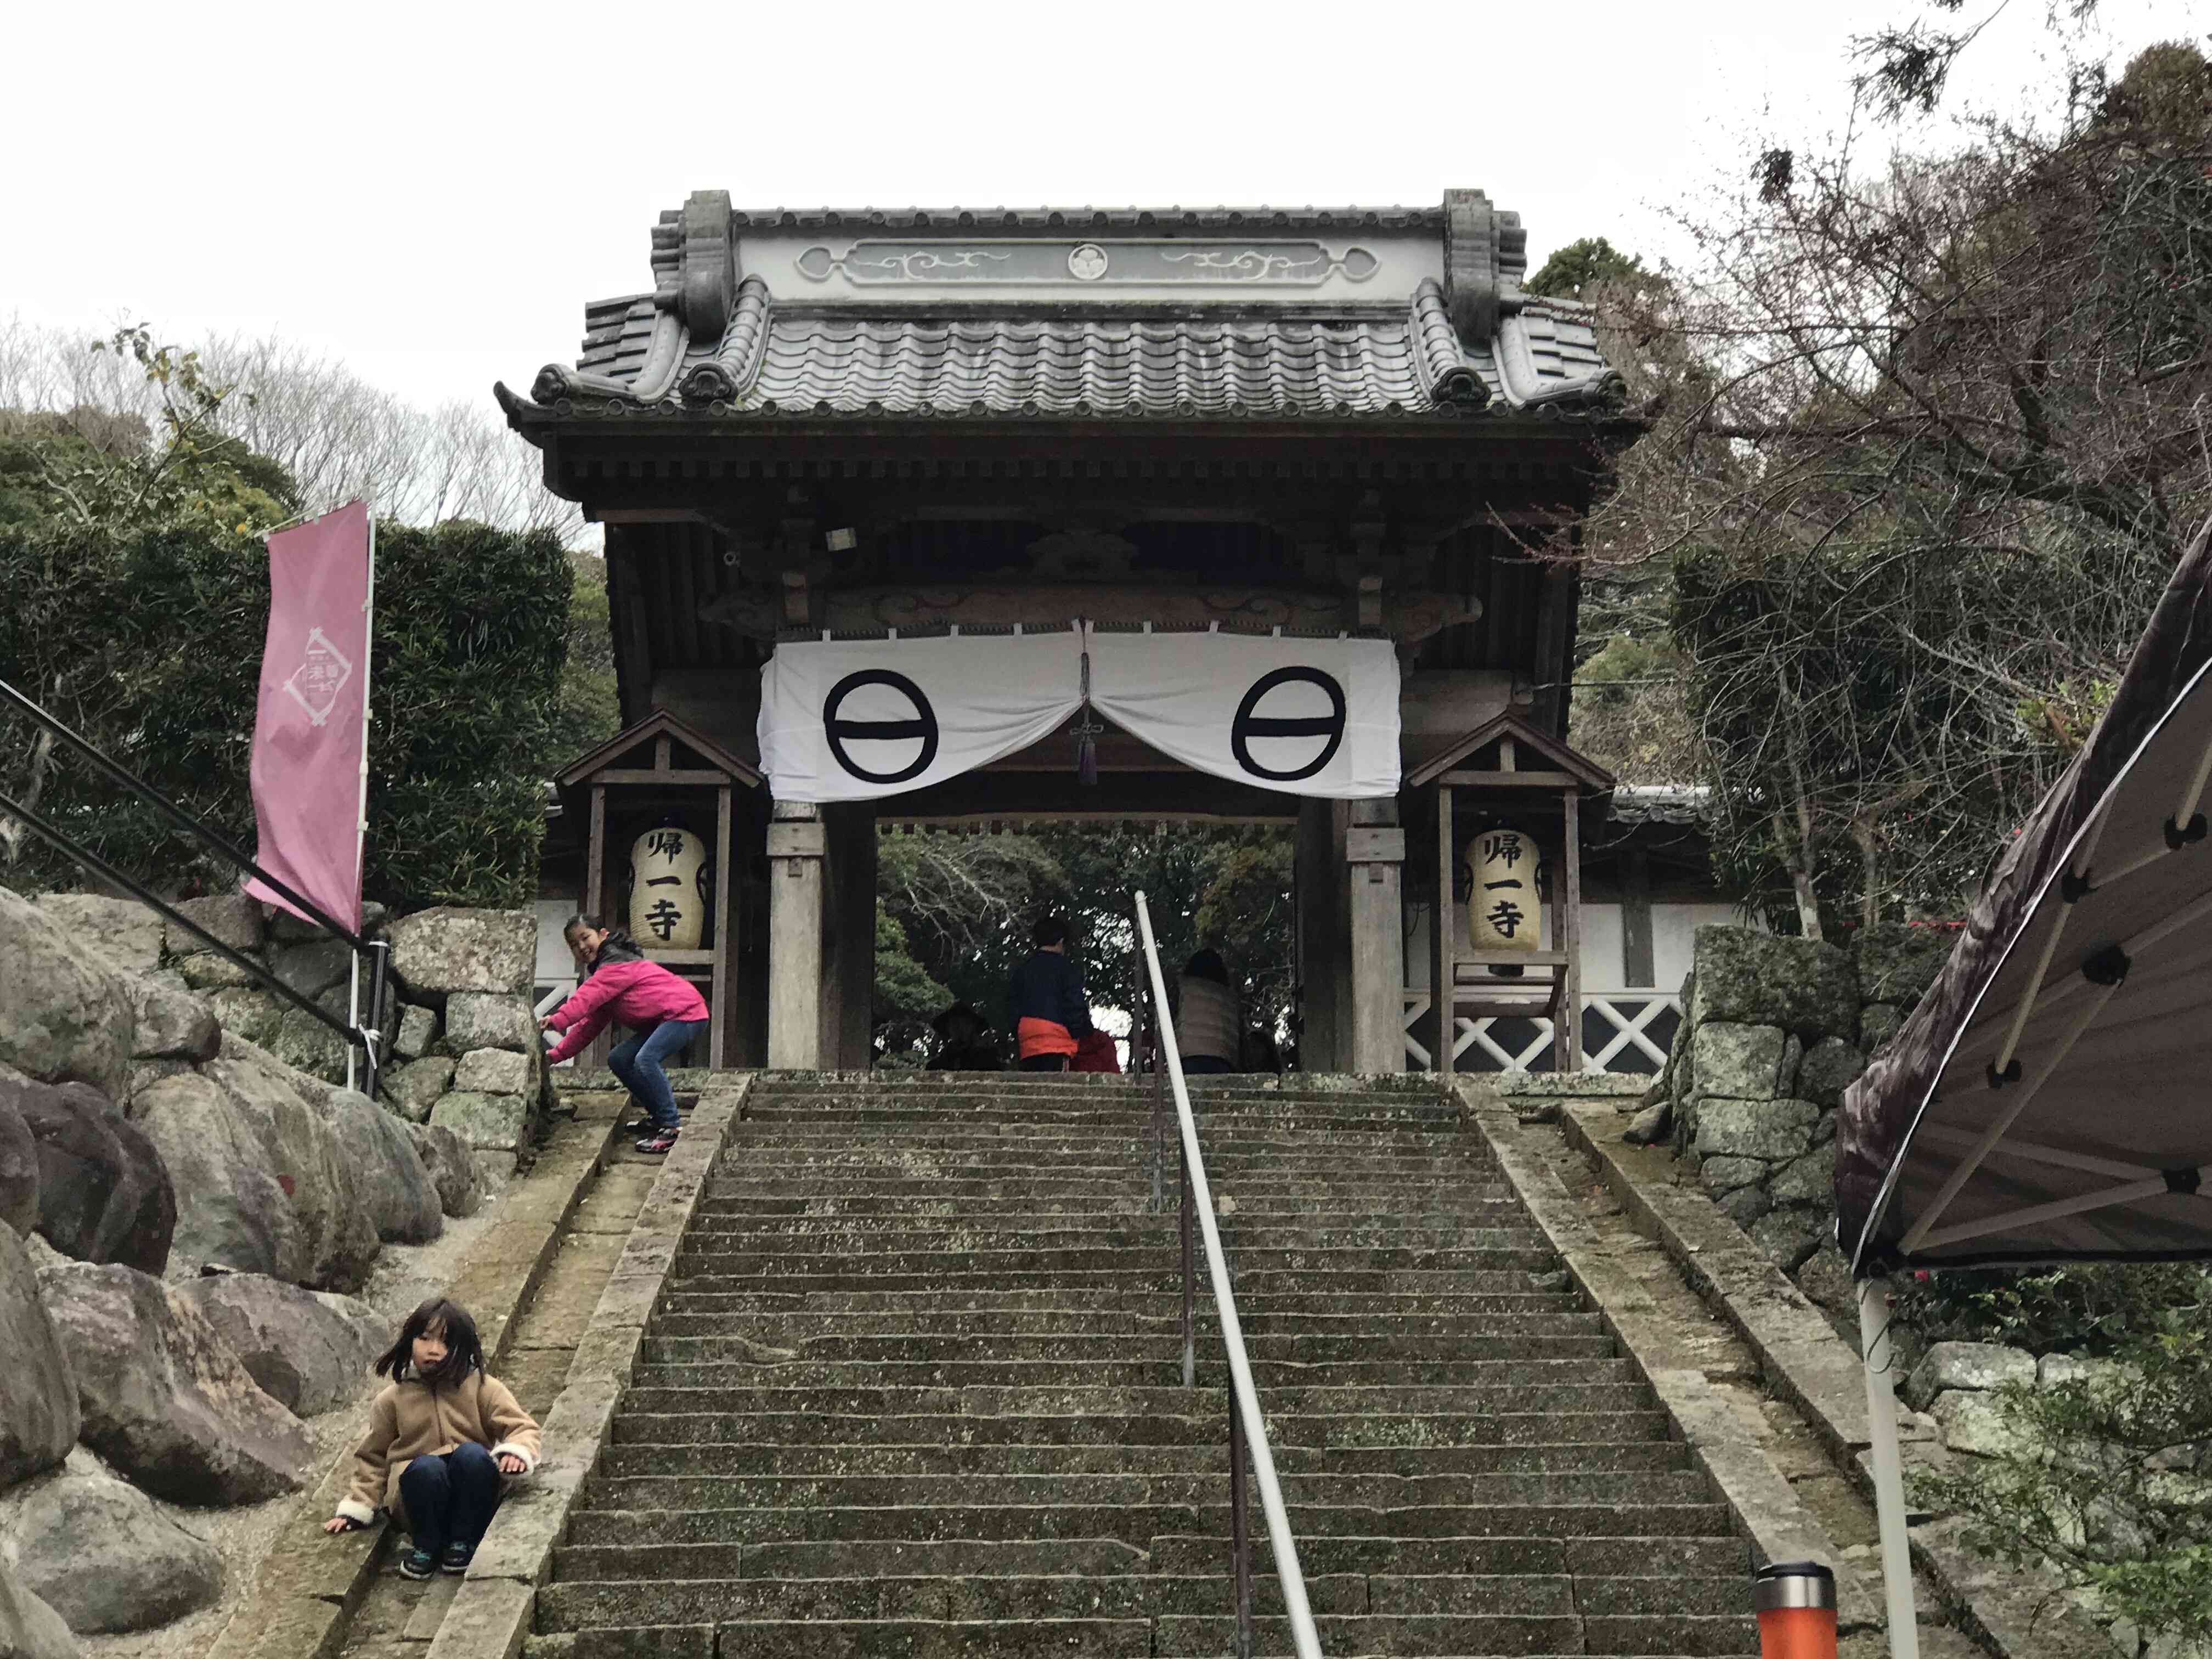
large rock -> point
(29, 1629)
(19, 1171)
(401, 1197)
(1974, 1366)
(1725, 1174)
(64, 1014)
(418, 1030)
(98, 1551)
(452, 1165)
(1897, 962)
(414, 1088)
(231, 919)
(1810, 1180)
(261, 1184)
(1788, 1233)
(104, 1190)
(169, 1023)
(248, 1012)
(309, 1351)
(123, 933)
(488, 1123)
(306, 1044)
(478, 1020)
(495, 1071)
(1878, 1023)
(164, 1400)
(1830, 1067)
(1803, 985)
(1744, 1062)
(1976, 1425)
(1770, 1129)
(313, 968)
(446, 950)
(208, 972)
(39, 1416)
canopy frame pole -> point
(2027, 1151)
(2076, 882)
(1877, 1353)
(2043, 1001)
(2057, 1210)
(2193, 796)
(2005, 1119)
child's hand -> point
(509, 1463)
(338, 1523)
(546, 1024)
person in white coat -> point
(1209, 1026)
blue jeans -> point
(450, 1498)
(637, 1063)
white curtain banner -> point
(1307, 717)
(855, 719)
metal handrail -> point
(1248, 1430)
(364, 1037)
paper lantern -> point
(1503, 912)
(667, 895)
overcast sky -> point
(430, 192)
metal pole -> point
(1878, 1355)
(1240, 1529)
(1190, 1293)
(360, 805)
(353, 1016)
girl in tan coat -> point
(439, 1439)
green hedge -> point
(148, 642)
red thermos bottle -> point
(1797, 1605)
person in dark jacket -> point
(964, 1042)
(1051, 1014)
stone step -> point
(1657, 1558)
(1288, 1128)
(1163, 1368)
(656, 1490)
(1107, 1639)
(1180, 1636)
(1239, 1237)
(732, 1273)
(1367, 1335)
(768, 1203)
(684, 1345)
(1165, 1399)
(1136, 1524)
(1516, 1301)
(796, 1424)
(852, 1459)
(1012, 1266)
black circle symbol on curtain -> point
(1250, 724)
(921, 728)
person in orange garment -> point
(1051, 1014)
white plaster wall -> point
(1673, 930)
(1604, 971)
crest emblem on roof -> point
(1086, 263)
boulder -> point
(1973, 1366)
(29, 1629)
(19, 1171)
(1745, 1205)
(104, 1190)
(495, 1071)
(64, 1015)
(305, 1044)
(169, 1023)
(164, 1400)
(1975, 1424)
(1809, 1179)
(1830, 1067)
(209, 972)
(401, 1198)
(1754, 1128)
(98, 1551)
(478, 1020)
(1743, 1062)
(414, 1088)
(452, 1165)
(314, 967)
(1650, 1126)
(418, 1030)
(261, 1185)
(1725, 1174)
(39, 1416)
(285, 928)
(446, 949)
(1826, 1277)
(308, 1351)
(1750, 978)
(123, 933)
(231, 918)
(250, 1013)
(1788, 1233)
(1897, 962)
(1878, 1023)
(488, 1123)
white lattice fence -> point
(1622, 1031)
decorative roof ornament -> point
(1485, 256)
(709, 270)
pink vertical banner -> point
(310, 729)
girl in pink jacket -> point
(620, 985)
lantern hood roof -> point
(1174, 314)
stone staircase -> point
(975, 1441)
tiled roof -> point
(1242, 357)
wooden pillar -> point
(795, 849)
(1321, 935)
(1636, 966)
(723, 1010)
(1443, 961)
(849, 967)
(1567, 1030)
(1374, 857)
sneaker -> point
(659, 1141)
(457, 1558)
(417, 1563)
